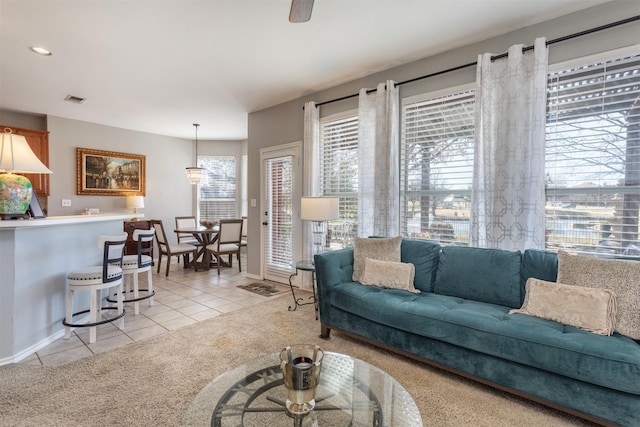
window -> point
(218, 189)
(436, 165)
(593, 155)
(592, 159)
(339, 174)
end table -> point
(304, 265)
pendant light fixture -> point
(195, 174)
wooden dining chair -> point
(228, 242)
(166, 248)
(186, 222)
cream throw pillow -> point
(389, 274)
(620, 276)
(585, 308)
(383, 249)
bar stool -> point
(95, 279)
(139, 263)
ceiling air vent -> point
(74, 99)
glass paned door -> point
(280, 215)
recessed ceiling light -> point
(40, 51)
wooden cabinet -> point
(39, 142)
(131, 246)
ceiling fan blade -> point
(300, 11)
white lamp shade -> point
(319, 208)
(16, 155)
(135, 201)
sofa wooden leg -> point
(325, 332)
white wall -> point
(168, 192)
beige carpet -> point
(151, 383)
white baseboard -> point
(38, 346)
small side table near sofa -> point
(304, 265)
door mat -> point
(264, 289)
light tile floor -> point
(183, 298)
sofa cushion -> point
(486, 275)
(424, 255)
(620, 276)
(538, 264)
(382, 248)
(389, 274)
(608, 361)
(590, 309)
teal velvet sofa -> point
(460, 322)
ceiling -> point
(160, 65)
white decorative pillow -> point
(585, 308)
(620, 276)
(383, 249)
(389, 274)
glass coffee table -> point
(350, 393)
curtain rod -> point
(493, 58)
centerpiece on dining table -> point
(208, 223)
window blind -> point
(593, 156)
(436, 166)
(218, 189)
(339, 175)
(279, 240)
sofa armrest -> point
(332, 268)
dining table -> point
(205, 236)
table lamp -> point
(135, 202)
(16, 157)
(319, 210)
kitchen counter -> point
(64, 220)
(35, 256)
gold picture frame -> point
(108, 173)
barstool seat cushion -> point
(131, 261)
(91, 274)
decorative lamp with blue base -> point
(16, 157)
(15, 193)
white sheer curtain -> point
(378, 165)
(507, 206)
(311, 183)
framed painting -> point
(107, 173)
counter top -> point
(64, 220)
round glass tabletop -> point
(351, 392)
